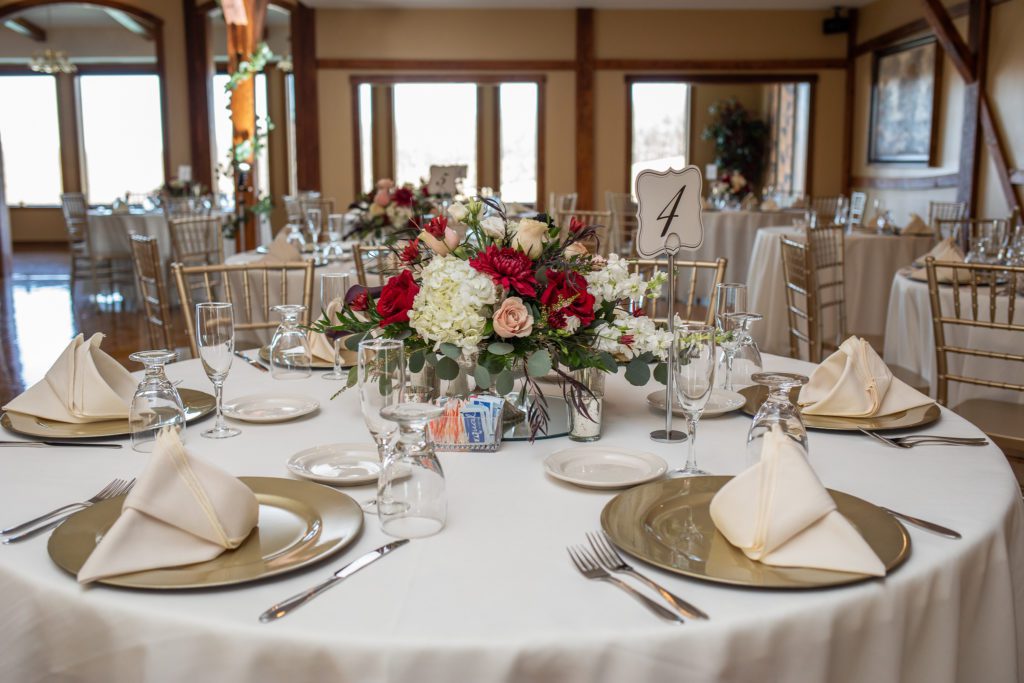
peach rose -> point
(439, 247)
(513, 319)
(385, 184)
(530, 237)
(576, 249)
(382, 198)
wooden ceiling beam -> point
(945, 32)
(26, 28)
(130, 23)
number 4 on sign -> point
(668, 211)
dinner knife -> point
(60, 443)
(255, 363)
(925, 524)
(299, 599)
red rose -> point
(436, 227)
(396, 299)
(508, 268)
(360, 302)
(402, 196)
(567, 295)
(626, 340)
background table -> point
(910, 340)
(493, 597)
(871, 260)
(731, 235)
(110, 233)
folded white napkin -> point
(749, 203)
(319, 344)
(916, 226)
(946, 250)
(84, 385)
(769, 205)
(280, 250)
(182, 510)
(777, 512)
(855, 382)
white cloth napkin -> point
(916, 226)
(777, 512)
(281, 251)
(946, 250)
(319, 344)
(855, 382)
(84, 385)
(769, 205)
(182, 510)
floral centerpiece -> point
(485, 295)
(389, 210)
(731, 187)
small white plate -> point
(720, 403)
(269, 407)
(338, 464)
(604, 467)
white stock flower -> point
(572, 323)
(493, 227)
(450, 304)
(614, 282)
(458, 211)
(641, 333)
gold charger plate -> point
(905, 419)
(299, 523)
(668, 523)
(348, 359)
(197, 404)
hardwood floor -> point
(40, 314)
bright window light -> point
(365, 95)
(435, 124)
(661, 122)
(30, 139)
(518, 142)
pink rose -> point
(441, 247)
(385, 184)
(513, 319)
(382, 198)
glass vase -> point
(585, 413)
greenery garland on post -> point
(239, 155)
(739, 139)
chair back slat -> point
(601, 219)
(801, 299)
(622, 234)
(149, 278)
(196, 240)
(827, 252)
(691, 308)
(826, 207)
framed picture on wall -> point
(904, 103)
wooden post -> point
(245, 20)
(307, 120)
(851, 92)
(584, 109)
(199, 67)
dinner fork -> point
(114, 488)
(911, 441)
(611, 560)
(587, 566)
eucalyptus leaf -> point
(500, 348)
(451, 350)
(505, 383)
(638, 373)
(416, 361)
(608, 362)
(430, 358)
(482, 377)
(447, 369)
(352, 342)
(661, 373)
(353, 377)
(539, 363)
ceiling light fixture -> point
(52, 62)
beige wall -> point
(1005, 69)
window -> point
(661, 122)
(31, 140)
(222, 136)
(518, 105)
(122, 135)
(435, 124)
(365, 94)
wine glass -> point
(411, 498)
(730, 297)
(156, 403)
(735, 335)
(295, 237)
(335, 230)
(381, 382)
(290, 356)
(314, 223)
(694, 377)
(333, 287)
(776, 411)
(215, 337)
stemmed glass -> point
(381, 382)
(411, 498)
(156, 403)
(730, 297)
(335, 230)
(314, 222)
(694, 375)
(333, 287)
(215, 337)
(777, 410)
(295, 236)
(736, 336)
(290, 357)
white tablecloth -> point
(871, 260)
(731, 235)
(110, 233)
(910, 340)
(493, 596)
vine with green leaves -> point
(239, 154)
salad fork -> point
(611, 560)
(587, 566)
(115, 488)
(920, 440)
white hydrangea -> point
(614, 282)
(645, 334)
(399, 215)
(450, 306)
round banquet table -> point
(731, 234)
(110, 233)
(871, 261)
(493, 597)
(910, 339)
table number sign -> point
(443, 178)
(669, 216)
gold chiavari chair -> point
(688, 273)
(83, 259)
(828, 247)
(826, 207)
(197, 240)
(624, 223)
(801, 299)
(249, 287)
(944, 211)
(601, 219)
(150, 282)
(991, 300)
(187, 207)
(561, 203)
(377, 260)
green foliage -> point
(740, 139)
(482, 377)
(447, 368)
(504, 383)
(538, 363)
(638, 373)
